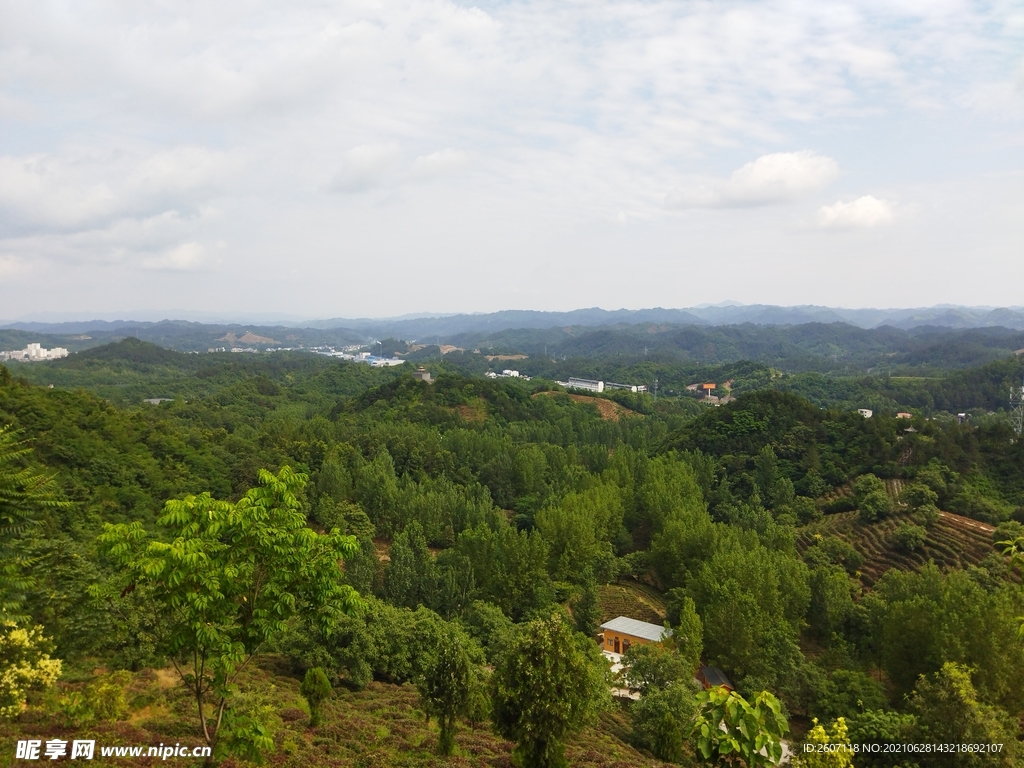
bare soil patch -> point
(610, 410)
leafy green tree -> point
(848, 691)
(411, 577)
(806, 510)
(948, 711)
(752, 602)
(586, 611)
(445, 685)
(548, 683)
(574, 548)
(908, 538)
(880, 727)
(687, 629)
(830, 748)
(661, 719)
(24, 495)
(1014, 549)
(831, 601)
(231, 578)
(508, 567)
(923, 619)
(917, 495)
(774, 488)
(364, 570)
(871, 498)
(653, 665)
(729, 730)
(491, 628)
(315, 689)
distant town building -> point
(157, 400)
(904, 415)
(591, 385)
(33, 353)
(508, 373)
(588, 384)
(630, 387)
(867, 413)
(366, 358)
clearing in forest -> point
(609, 409)
(632, 599)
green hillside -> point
(236, 532)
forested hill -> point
(806, 345)
(768, 440)
(485, 526)
(836, 347)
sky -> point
(369, 158)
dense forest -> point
(307, 561)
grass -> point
(379, 726)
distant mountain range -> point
(432, 328)
(729, 314)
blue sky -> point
(376, 158)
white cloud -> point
(443, 163)
(777, 178)
(11, 266)
(79, 189)
(365, 167)
(864, 212)
(121, 124)
(187, 256)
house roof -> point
(636, 628)
(715, 677)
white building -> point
(630, 387)
(588, 384)
(34, 352)
(867, 413)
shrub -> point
(908, 538)
(24, 663)
(315, 689)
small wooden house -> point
(713, 677)
(622, 632)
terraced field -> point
(953, 542)
(632, 599)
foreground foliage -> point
(548, 683)
(231, 579)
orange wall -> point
(609, 640)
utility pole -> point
(655, 387)
(1017, 409)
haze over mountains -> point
(426, 324)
